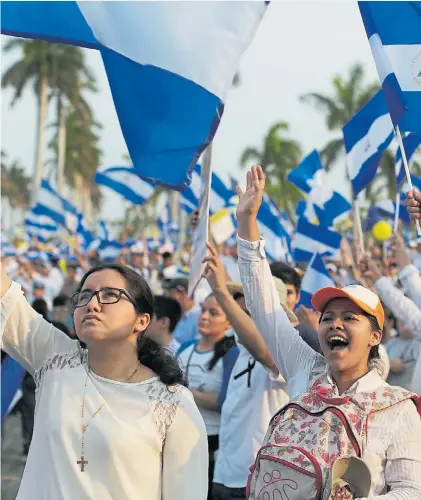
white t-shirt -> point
(245, 417)
(195, 365)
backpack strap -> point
(184, 345)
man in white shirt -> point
(167, 313)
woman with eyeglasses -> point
(208, 363)
(112, 420)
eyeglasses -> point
(106, 295)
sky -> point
(299, 47)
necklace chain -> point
(82, 462)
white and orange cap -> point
(364, 298)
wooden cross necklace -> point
(82, 462)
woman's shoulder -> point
(166, 401)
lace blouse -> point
(148, 442)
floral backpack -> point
(309, 433)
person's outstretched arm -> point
(290, 353)
(240, 321)
(25, 335)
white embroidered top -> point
(393, 449)
(148, 442)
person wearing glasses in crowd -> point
(113, 419)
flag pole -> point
(407, 172)
(397, 209)
(359, 226)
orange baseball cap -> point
(364, 298)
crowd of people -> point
(134, 389)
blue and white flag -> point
(170, 66)
(277, 240)
(326, 205)
(39, 225)
(60, 210)
(394, 33)
(367, 134)
(220, 194)
(411, 143)
(309, 173)
(385, 210)
(310, 238)
(126, 182)
(103, 231)
(315, 277)
(109, 251)
(84, 234)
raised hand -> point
(308, 316)
(369, 269)
(399, 251)
(413, 204)
(251, 198)
(215, 272)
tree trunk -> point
(78, 191)
(42, 119)
(87, 203)
(61, 147)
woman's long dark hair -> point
(149, 353)
(220, 349)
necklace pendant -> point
(84, 427)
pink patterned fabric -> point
(307, 435)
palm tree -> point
(71, 77)
(278, 156)
(35, 67)
(15, 183)
(348, 96)
(82, 158)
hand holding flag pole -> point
(408, 179)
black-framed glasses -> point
(106, 295)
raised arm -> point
(241, 322)
(408, 273)
(402, 307)
(25, 335)
(290, 353)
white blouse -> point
(393, 450)
(148, 442)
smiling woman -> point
(113, 419)
(345, 433)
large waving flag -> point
(315, 277)
(310, 238)
(170, 66)
(308, 173)
(394, 33)
(126, 182)
(367, 134)
(410, 142)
